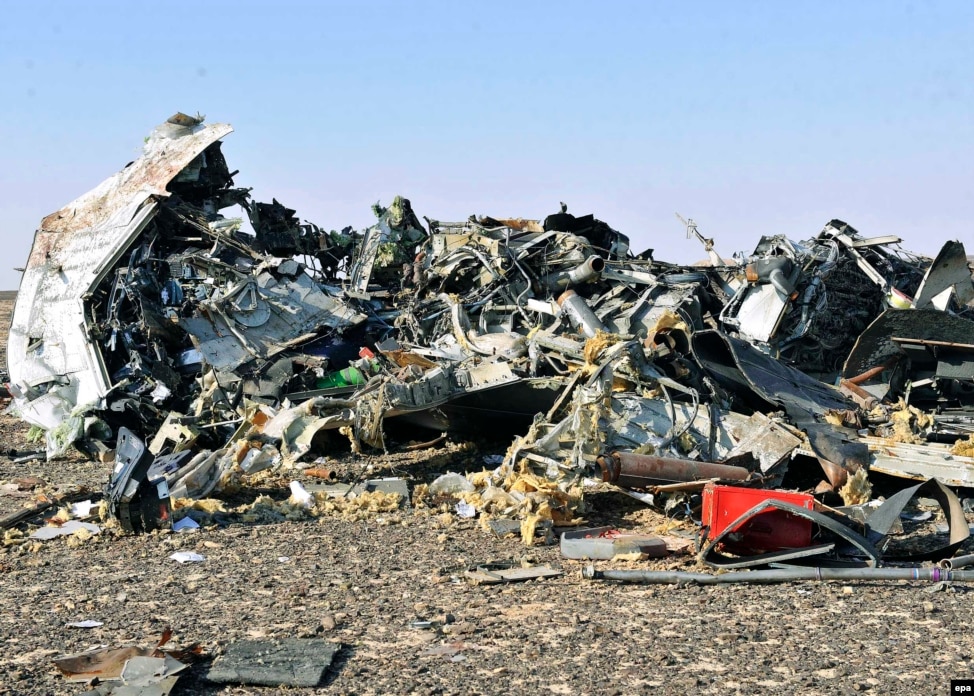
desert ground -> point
(389, 589)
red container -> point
(771, 530)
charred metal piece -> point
(137, 494)
(806, 302)
(926, 355)
(763, 380)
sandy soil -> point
(362, 583)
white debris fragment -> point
(160, 393)
(81, 509)
(186, 524)
(451, 483)
(300, 495)
(465, 509)
(66, 529)
(641, 497)
(87, 623)
(188, 557)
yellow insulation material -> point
(963, 448)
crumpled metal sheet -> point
(53, 363)
(948, 275)
(291, 311)
(139, 286)
(739, 365)
(920, 461)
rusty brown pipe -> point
(642, 470)
(322, 473)
(872, 372)
(858, 394)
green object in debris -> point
(349, 377)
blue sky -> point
(751, 117)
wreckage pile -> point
(191, 348)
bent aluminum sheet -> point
(740, 366)
(293, 310)
(53, 362)
(948, 274)
(919, 462)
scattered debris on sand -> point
(196, 341)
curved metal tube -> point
(589, 269)
(957, 562)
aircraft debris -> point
(167, 307)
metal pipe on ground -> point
(776, 575)
(643, 470)
(957, 562)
